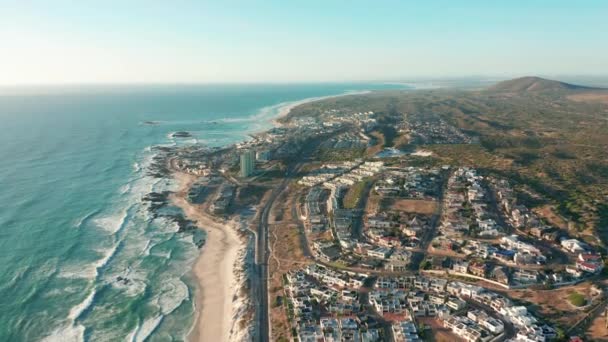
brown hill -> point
(535, 84)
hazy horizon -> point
(317, 42)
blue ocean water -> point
(72, 175)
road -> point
(428, 235)
(262, 255)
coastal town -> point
(357, 240)
(304, 171)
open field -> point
(590, 97)
(548, 212)
(556, 305)
(426, 207)
(598, 329)
(286, 255)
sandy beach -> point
(214, 270)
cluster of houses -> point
(199, 160)
(395, 229)
(398, 261)
(502, 274)
(425, 131)
(457, 306)
(520, 217)
(315, 209)
(333, 176)
(405, 331)
(347, 141)
(403, 298)
(506, 263)
(528, 328)
(590, 263)
(519, 252)
(323, 206)
(324, 306)
(335, 278)
(326, 250)
(193, 166)
(410, 182)
(355, 175)
(466, 206)
(342, 219)
(318, 206)
(470, 329)
(326, 172)
(287, 140)
(364, 120)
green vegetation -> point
(340, 154)
(577, 299)
(278, 301)
(354, 193)
(425, 265)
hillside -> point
(535, 84)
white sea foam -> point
(187, 238)
(78, 272)
(125, 188)
(173, 294)
(78, 223)
(91, 270)
(61, 291)
(78, 309)
(112, 223)
(146, 250)
(104, 261)
(147, 328)
(135, 240)
(66, 333)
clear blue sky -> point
(109, 41)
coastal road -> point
(262, 255)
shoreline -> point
(213, 270)
(217, 297)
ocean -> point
(81, 257)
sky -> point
(199, 41)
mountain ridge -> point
(536, 84)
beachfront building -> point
(247, 163)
